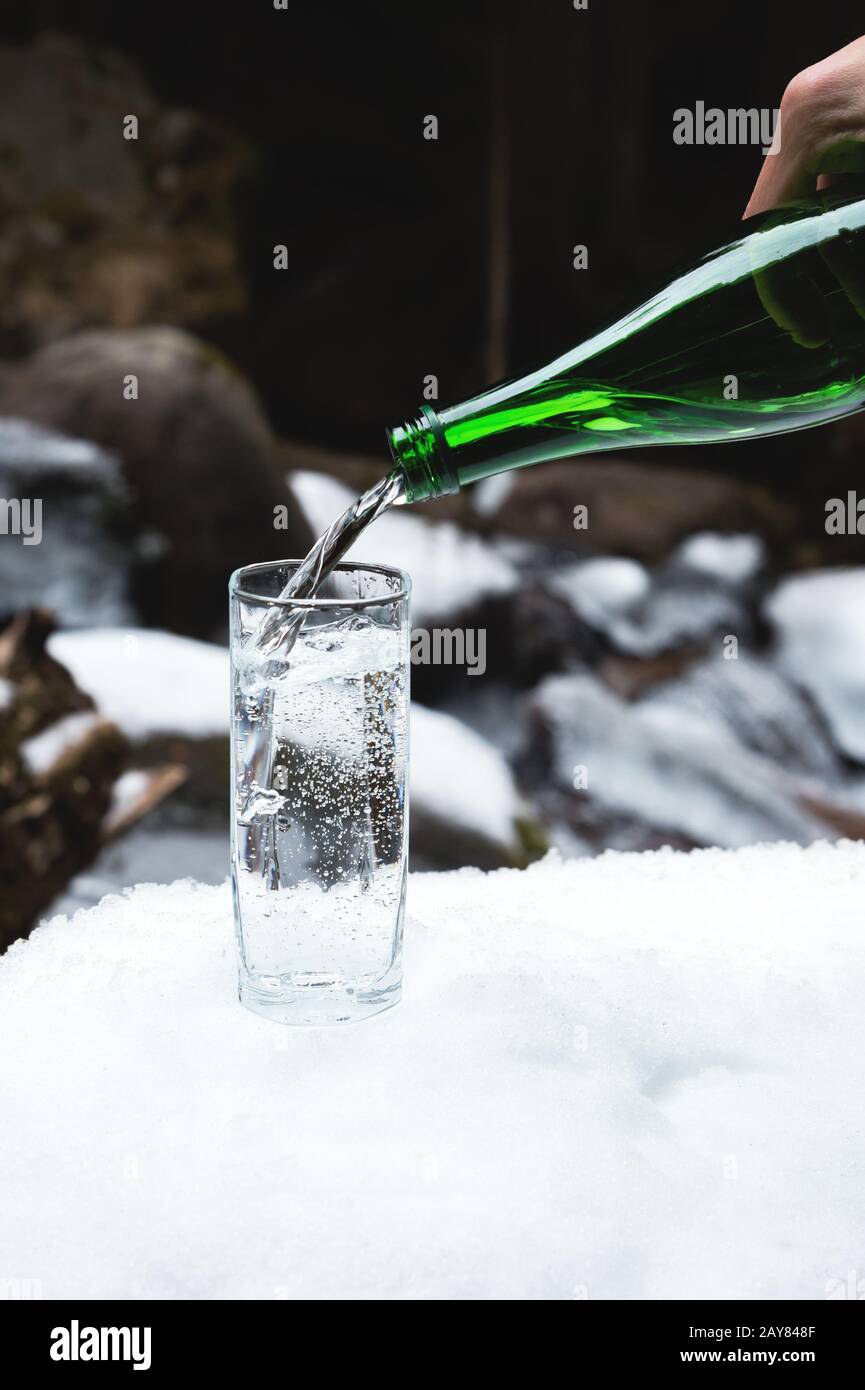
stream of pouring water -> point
(269, 644)
(277, 632)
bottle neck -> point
(419, 448)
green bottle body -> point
(765, 335)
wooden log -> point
(59, 766)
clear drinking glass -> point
(320, 813)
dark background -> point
(555, 127)
(407, 258)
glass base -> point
(312, 1004)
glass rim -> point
(239, 576)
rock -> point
(465, 806)
(667, 770)
(196, 455)
(641, 510)
(99, 228)
(540, 633)
(845, 820)
(632, 676)
(74, 562)
(758, 705)
(638, 614)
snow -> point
(127, 790)
(821, 636)
(633, 1077)
(489, 494)
(458, 776)
(41, 752)
(451, 571)
(604, 587)
(149, 682)
(727, 559)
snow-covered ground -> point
(634, 1077)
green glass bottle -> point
(766, 334)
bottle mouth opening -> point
(419, 448)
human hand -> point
(821, 130)
(820, 137)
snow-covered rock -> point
(451, 571)
(603, 588)
(149, 682)
(71, 563)
(661, 764)
(461, 785)
(29, 451)
(633, 1077)
(759, 706)
(644, 614)
(732, 560)
(818, 619)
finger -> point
(784, 177)
(796, 305)
(845, 254)
(790, 296)
(847, 264)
